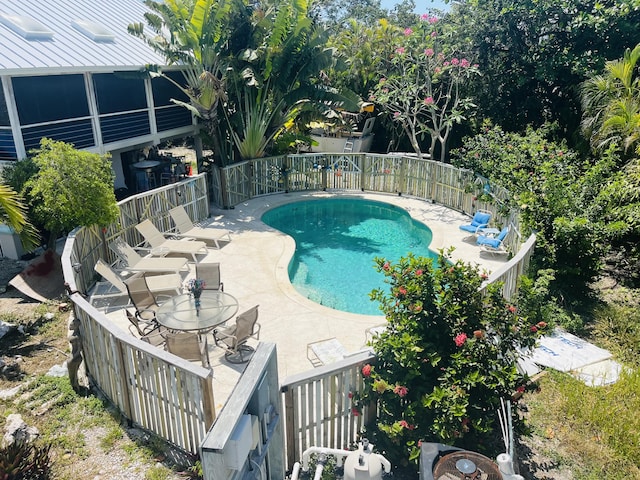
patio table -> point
(180, 312)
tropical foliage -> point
(445, 360)
(13, 213)
(422, 87)
(611, 105)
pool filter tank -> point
(362, 464)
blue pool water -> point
(336, 243)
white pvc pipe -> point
(319, 469)
(338, 453)
(296, 471)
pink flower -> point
(428, 101)
(382, 80)
(434, 34)
(512, 309)
(400, 391)
(446, 64)
(400, 50)
(428, 52)
(402, 291)
(407, 32)
(483, 276)
(386, 266)
(464, 63)
(455, 61)
(433, 20)
(396, 114)
(405, 424)
(424, 17)
(533, 328)
(520, 389)
(542, 324)
(418, 272)
(355, 412)
(385, 90)
(350, 395)
(460, 339)
(366, 370)
(437, 70)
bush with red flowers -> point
(446, 358)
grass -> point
(595, 431)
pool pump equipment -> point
(360, 464)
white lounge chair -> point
(186, 228)
(157, 241)
(134, 262)
(156, 283)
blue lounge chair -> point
(479, 221)
(493, 244)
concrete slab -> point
(254, 269)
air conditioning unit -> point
(443, 462)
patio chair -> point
(186, 228)
(479, 221)
(149, 332)
(142, 299)
(156, 283)
(189, 346)
(493, 244)
(157, 241)
(234, 337)
(134, 262)
(210, 273)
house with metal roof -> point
(70, 71)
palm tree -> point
(611, 104)
(13, 213)
(280, 75)
(195, 39)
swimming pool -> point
(337, 240)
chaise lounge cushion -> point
(480, 220)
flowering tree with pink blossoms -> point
(421, 86)
(446, 358)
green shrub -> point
(446, 359)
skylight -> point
(26, 27)
(94, 31)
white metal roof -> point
(70, 50)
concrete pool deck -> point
(254, 270)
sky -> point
(421, 5)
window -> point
(50, 98)
(26, 27)
(164, 90)
(94, 31)
(119, 92)
(4, 113)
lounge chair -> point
(324, 352)
(479, 221)
(188, 346)
(234, 337)
(186, 228)
(134, 262)
(158, 242)
(210, 273)
(156, 283)
(493, 244)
